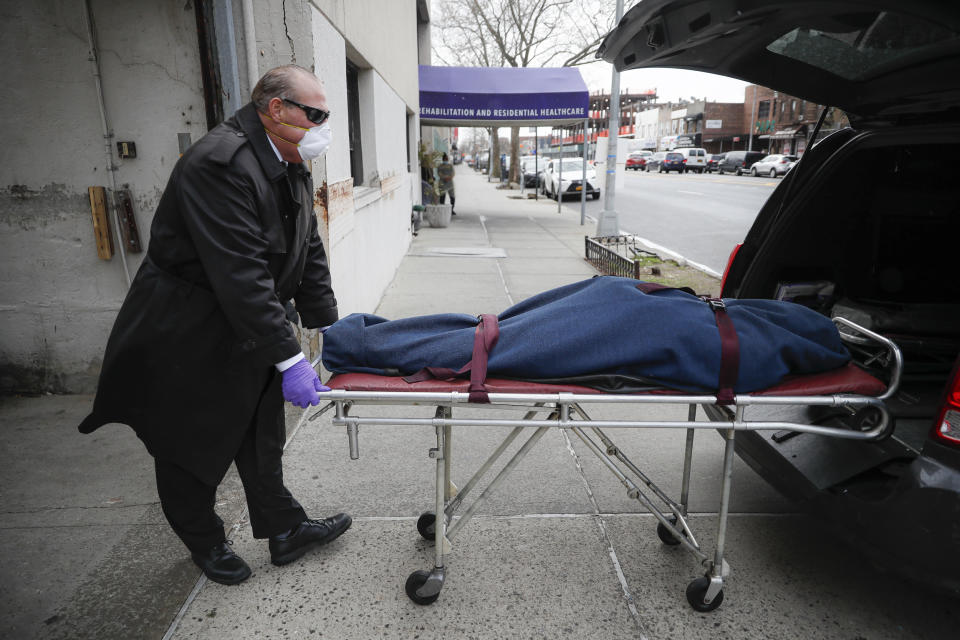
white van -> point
(695, 158)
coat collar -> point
(249, 121)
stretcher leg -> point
(706, 593)
(451, 489)
(514, 461)
(673, 529)
(423, 587)
(688, 461)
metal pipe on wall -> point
(94, 59)
(250, 44)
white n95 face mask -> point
(315, 143)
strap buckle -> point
(716, 304)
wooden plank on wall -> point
(101, 222)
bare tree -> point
(520, 33)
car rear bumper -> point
(900, 509)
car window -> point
(868, 41)
(568, 165)
(674, 156)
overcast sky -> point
(670, 84)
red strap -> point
(729, 343)
(729, 351)
(484, 339)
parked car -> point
(713, 161)
(738, 161)
(773, 165)
(870, 213)
(483, 161)
(672, 161)
(653, 162)
(694, 159)
(637, 160)
(571, 182)
(532, 170)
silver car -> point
(773, 165)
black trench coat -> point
(190, 361)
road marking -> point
(693, 193)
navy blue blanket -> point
(604, 325)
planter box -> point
(437, 215)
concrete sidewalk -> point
(559, 551)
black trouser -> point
(443, 199)
(189, 503)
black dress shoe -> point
(222, 565)
(287, 547)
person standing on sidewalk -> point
(202, 354)
(445, 175)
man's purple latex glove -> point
(300, 385)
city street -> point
(699, 216)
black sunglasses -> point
(314, 115)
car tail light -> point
(947, 427)
(684, 161)
(726, 270)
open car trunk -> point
(871, 236)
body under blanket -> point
(602, 327)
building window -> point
(353, 112)
(763, 110)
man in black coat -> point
(202, 354)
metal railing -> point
(609, 260)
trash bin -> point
(438, 215)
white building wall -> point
(368, 227)
(381, 34)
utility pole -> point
(753, 112)
(608, 225)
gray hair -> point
(279, 82)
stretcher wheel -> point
(414, 582)
(696, 591)
(426, 525)
(665, 535)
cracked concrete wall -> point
(58, 300)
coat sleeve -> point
(218, 205)
(315, 301)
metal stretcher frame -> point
(565, 411)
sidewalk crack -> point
(627, 594)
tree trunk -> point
(515, 170)
(495, 153)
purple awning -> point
(514, 96)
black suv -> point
(739, 162)
(872, 214)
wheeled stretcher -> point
(538, 407)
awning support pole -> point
(560, 181)
(609, 225)
(583, 183)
